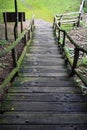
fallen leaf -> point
(12, 109)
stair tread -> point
(43, 118)
(44, 97)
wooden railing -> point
(70, 18)
(81, 6)
(24, 38)
(71, 50)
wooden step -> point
(45, 118)
(58, 107)
(43, 127)
(43, 63)
(47, 97)
(41, 56)
(44, 81)
(44, 90)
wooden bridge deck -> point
(44, 97)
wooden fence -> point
(72, 51)
(25, 36)
(70, 18)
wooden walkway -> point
(44, 97)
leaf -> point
(22, 96)
(3, 65)
(12, 109)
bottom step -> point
(40, 118)
(42, 127)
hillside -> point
(44, 9)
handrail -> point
(15, 43)
(71, 40)
(67, 14)
(26, 36)
(77, 48)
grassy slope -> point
(41, 8)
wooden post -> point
(59, 24)
(64, 36)
(14, 56)
(54, 28)
(5, 20)
(79, 17)
(25, 38)
(63, 43)
(14, 53)
(21, 22)
(54, 23)
(31, 28)
(29, 34)
(58, 36)
(76, 56)
(16, 21)
(84, 4)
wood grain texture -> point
(44, 97)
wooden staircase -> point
(44, 97)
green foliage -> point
(85, 9)
(3, 65)
(84, 61)
(45, 9)
(3, 42)
(6, 5)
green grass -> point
(85, 9)
(44, 9)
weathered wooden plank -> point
(49, 59)
(43, 82)
(71, 13)
(43, 56)
(43, 63)
(45, 60)
(44, 89)
(58, 107)
(69, 21)
(43, 127)
(43, 79)
(61, 81)
(46, 97)
(43, 69)
(43, 48)
(43, 51)
(46, 47)
(45, 74)
(38, 44)
(43, 118)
